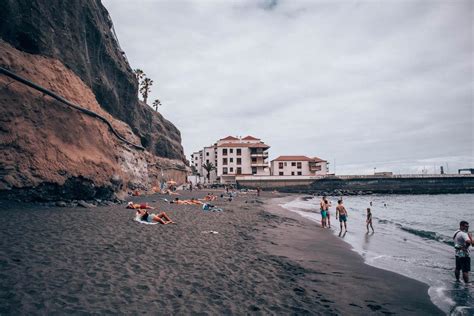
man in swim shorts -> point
(342, 213)
(323, 207)
(462, 242)
(325, 216)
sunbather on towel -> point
(212, 208)
(134, 206)
(186, 202)
(162, 217)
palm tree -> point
(156, 104)
(139, 74)
(208, 166)
(145, 88)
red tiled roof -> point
(317, 159)
(298, 158)
(250, 138)
(230, 138)
(293, 158)
(250, 145)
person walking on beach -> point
(369, 220)
(341, 212)
(462, 241)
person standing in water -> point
(369, 220)
(462, 242)
(341, 212)
(324, 206)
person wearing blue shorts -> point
(324, 208)
(341, 212)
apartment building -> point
(196, 161)
(241, 156)
(298, 166)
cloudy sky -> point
(362, 84)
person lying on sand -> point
(186, 202)
(212, 208)
(134, 206)
(162, 217)
(210, 197)
(169, 192)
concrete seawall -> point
(370, 184)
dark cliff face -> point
(80, 34)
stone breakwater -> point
(359, 185)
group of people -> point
(341, 214)
(462, 238)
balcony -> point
(259, 164)
(259, 154)
(314, 167)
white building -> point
(298, 166)
(241, 156)
(196, 161)
(209, 155)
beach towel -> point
(211, 208)
(138, 219)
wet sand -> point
(98, 260)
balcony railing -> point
(259, 154)
(259, 164)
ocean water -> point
(413, 237)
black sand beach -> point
(98, 260)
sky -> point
(366, 85)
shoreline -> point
(363, 288)
(99, 260)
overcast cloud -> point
(362, 84)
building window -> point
(231, 151)
(293, 164)
(286, 164)
(254, 170)
(298, 165)
(299, 173)
(231, 170)
(239, 151)
(224, 170)
(254, 160)
(231, 159)
(224, 161)
(280, 165)
(280, 173)
(239, 170)
(224, 152)
(207, 154)
(292, 173)
(318, 168)
(207, 160)
(239, 161)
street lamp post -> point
(374, 170)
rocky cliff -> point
(51, 151)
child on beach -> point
(369, 220)
(342, 213)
